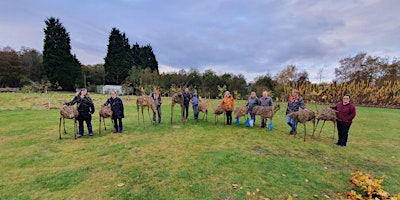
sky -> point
(248, 37)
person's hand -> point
(64, 106)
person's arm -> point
(301, 104)
(270, 102)
(74, 101)
(92, 109)
(122, 108)
(107, 102)
(352, 113)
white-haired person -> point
(265, 100)
(117, 107)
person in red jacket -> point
(346, 111)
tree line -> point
(136, 67)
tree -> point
(144, 57)
(11, 68)
(58, 62)
(32, 60)
(119, 60)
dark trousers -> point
(229, 117)
(185, 111)
(343, 133)
(253, 117)
(118, 125)
(88, 124)
(158, 113)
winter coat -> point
(195, 100)
(294, 104)
(117, 107)
(251, 102)
(186, 98)
(346, 113)
(228, 103)
(85, 107)
(265, 101)
(157, 101)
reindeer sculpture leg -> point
(75, 129)
(143, 118)
(100, 125)
(305, 132)
(172, 111)
(59, 129)
(138, 114)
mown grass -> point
(196, 160)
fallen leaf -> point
(315, 196)
(295, 195)
(248, 193)
(257, 190)
(120, 184)
(283, 174)
(306, 180)
(326, 196)
(325, 167)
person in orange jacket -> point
(229, 103)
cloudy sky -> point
(250, 37)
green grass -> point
(196, 160)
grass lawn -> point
(196, 160)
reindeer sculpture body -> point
(303, 116)
(68, 112)
(146, 101)
(177, 98)
(266, 111)
(327, 114)
(203, 107)
(240, 112)
(105, 112)
(218, 111)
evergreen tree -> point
(144, 57)
(119, 60)
(58, 62)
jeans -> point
(88, 124)
(158, 113)
(253, 117)
(196, 111)
(292, 123)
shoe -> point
(291, 133)
(80, 135)
(90, 134)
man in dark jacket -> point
(295, 102)
(117, 107)
(346, 111)
(85, 110)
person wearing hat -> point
(346, 112)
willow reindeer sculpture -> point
(327, 114)
(68, 112)
(203, 107)
(219, 110)
(266, 111)
(177, 98)
(105, 112)
(303, 116)
(146, 101)
(240, 112)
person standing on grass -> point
(186, 101)
(228, 103)
(251, 102)
(346, 112)
(157, 100)
(117, 107)
(85, 110)
(264, 101)
(295, 102)
(195, 104)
